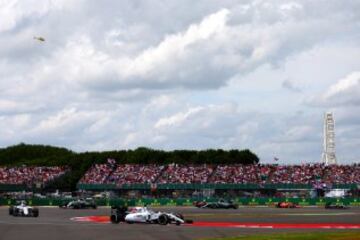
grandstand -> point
(192, 177)
(221, 180)
(154, 184)
(29, 176)
(153, 173)
(222, 174)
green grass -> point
(299, 236)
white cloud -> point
(345, 91)
(80, 61)
(206, 55)
(299, 133)
(178, 118)
(175, 46)
(17, 107)
(13, 12)
(344, 86)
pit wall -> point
(189, 202)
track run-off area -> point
(55, 223)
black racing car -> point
(330, 205)
(219, 204)
(79, 204)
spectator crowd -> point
(319, 176)
(120, 174)
(176, 173)
(29, 175)
(135, 173)
(98, 173)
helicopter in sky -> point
(40, 39)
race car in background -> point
(226, 204)
(330, 205)
(287, 205)
(23, 210)
(79, 204)
(145, 215)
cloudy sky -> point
(181, 74)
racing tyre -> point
(15, 212)
(35, 212)
(118, 214)
(163, 219)
(11, 211)
(114, 219)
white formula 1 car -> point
(23, 210)
(145, 215)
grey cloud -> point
(289, 85)
(210, 63)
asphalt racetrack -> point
(60, 224)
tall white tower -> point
(328, 156)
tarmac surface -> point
(56, 224)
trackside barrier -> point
(189, 201)
(178, 186)
(12, 187)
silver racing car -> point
(79, 204)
